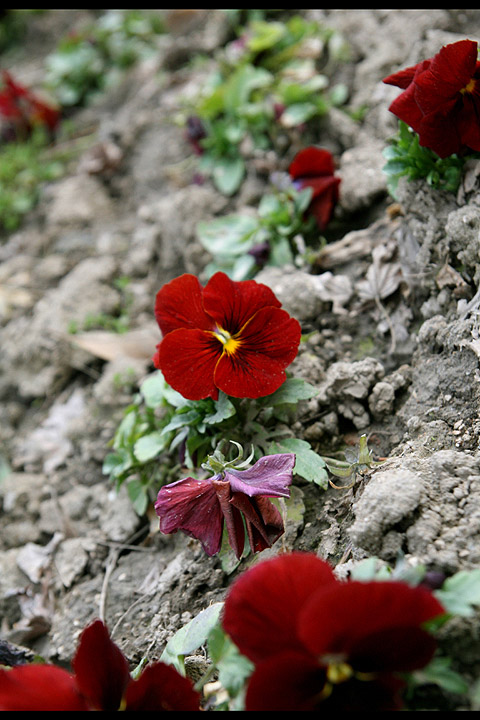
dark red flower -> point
(229, 336)
(318, 643)
(22, 110)
(102, 681)
(441, 99)
(313, 167)
(199, 508)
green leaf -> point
(308, 464)
(229, 235)
(191, 636)
(241, 84)
(228, 174)
(149, 446)
(460, 593)
(137, 492)
(224, 409)
(234, 668)
(298, 113)
(440, 673)
(265, 35)
(292, 391)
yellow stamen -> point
(470, 87)
(339, 672)
(229, 342)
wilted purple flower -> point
(199, 508)
(195, 132)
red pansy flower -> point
(318, 643)
(313, 167)
(229, 336)
(200, 507)
(101, 681)
(441, 99)
(22, 110)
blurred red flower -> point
(229, 336)
(22, 111)
(102, 681)
(313, 167)
(318, 643)
(200, 507)
(441, 99)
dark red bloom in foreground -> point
(22, 110)
(318, 643)
(102, 681)
(229, 336)
(441, 99)
(200, 507)
(313, 167)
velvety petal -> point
(380, 693)
(232, 516)
(191, 506)
(441, 134)
(288, 681)
(270, 476)
(179, 304)
(161, 687)
(406, 109)
(101, 670)
(268, 344)
(468, 122)
(263, 605)
(363, 617)
(187, 359)
(403, 78)
(449, 72)
(232, 303)
(311, 162)
(322, 206)
(263, 521)
(39, 687)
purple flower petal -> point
(270, 476)
(192, 506)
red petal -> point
(232, 303)
(290, 681)
(191, 506)
(100, 667)
(263, 605)
(311, 162)
(268, 344)
(322, 205)
(179, 305)
(187, 359)
(263, 521)
(161, 687)
(449, 72)
(39, 687)
(403, 78)
(363, 617)
(233, 519)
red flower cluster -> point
(313, 167)
(200, 507)
(21, 110)
(441, 99)
(229, 336)
(318, 643)
(102, 681)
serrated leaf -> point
(224, 409)
(308, 464)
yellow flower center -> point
(470, 87)
(339, 672)
(229, 342)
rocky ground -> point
(404, 371)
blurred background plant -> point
(273, 78)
